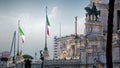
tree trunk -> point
(109, 34)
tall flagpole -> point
(14, 43)
(46, 32)
(46, 54)
(18, 38)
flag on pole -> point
(22, 34)
(48, 25)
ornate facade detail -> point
(89, 50)
(67, 47)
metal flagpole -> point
(18, 38)
(45, 49)
(46, 32)
(14, 43)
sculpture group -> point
(92, 13)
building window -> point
(118, 19)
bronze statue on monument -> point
(92, 13)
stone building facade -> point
(67, 47)
(88, 50)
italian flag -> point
(22, 34)
(48, 25)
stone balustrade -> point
(49, 62)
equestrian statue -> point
(92, 13)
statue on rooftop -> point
(92, 13)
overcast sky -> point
(31, 13)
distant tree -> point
(109, 34)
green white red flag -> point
(22, 34)
(48, 25)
